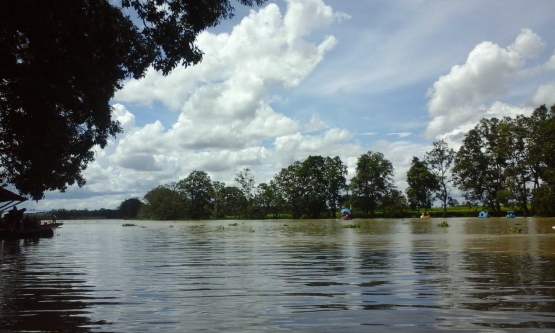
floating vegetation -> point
(197, 226)
(233, 224)
(515, 230)
(443, 224)
(251, 230)
(142, 226)
(355, 225)
(171, 226)
(128, 225)
(221, 228)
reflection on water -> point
(302, 276)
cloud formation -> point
(226, 120)
(287, 82)
(473, 90)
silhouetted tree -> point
(61, 63)
(129, 209)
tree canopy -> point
(61, 63)
(422, 182)
(439, 160)
(373, 179)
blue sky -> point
(333, 78)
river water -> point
(406, 275)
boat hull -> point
(43, 232)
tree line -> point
(507, 163)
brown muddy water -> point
(270, 276)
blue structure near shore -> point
(511, 214)
(483, 214)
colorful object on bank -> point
(345, 213)
(511, 214)
(483, 215)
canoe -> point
(52, 225)
(42, 232)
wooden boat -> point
(42, 232)
(425, 216)
(8, 200)
(52, 224)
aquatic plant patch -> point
(355, 225)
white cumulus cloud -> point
(471, 91)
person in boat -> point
(19, 219)
(345, 213)
(10, 218)
(14, 218)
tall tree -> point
(439, 161)
(163, 203)
(61, 63)
(129, 209)
(290, 189)
(422, 182)
(335, 173)
(393, 203)
(543, 147)
(538, 137)
(234, 202)
(374, 176)
(267, 198)
(197, 189)
(520, 167)
(543, 197)
(245, 179)
(480, 165)
(311, 177)
(218, 197)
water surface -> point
(284, 275)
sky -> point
(295, 78)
